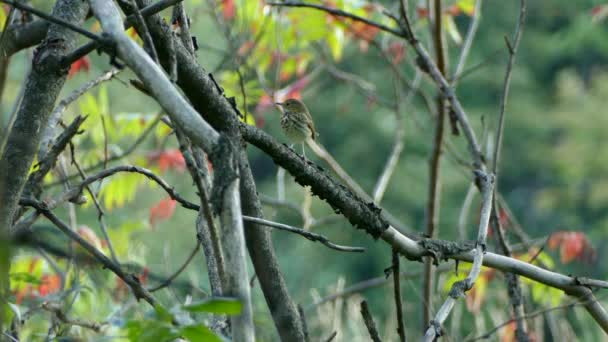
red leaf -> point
(168, 160)
(82, 64)
(572, 246)
(228, 9)
(422, 12)
(163, 210)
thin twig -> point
(339, 13)
(128, 23)
(486, 185)
(145, 34)
(489, 333)
(369, 322)
(169, 280)
(370, 284)
(129, 279)
(101, 213)
(121, 155)
(513, 283)
(434, 189)
(53, 19)
(468, 42)
(309, 235)
(397, 289)
(49, 130)
(62, 317)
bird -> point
(296, 122)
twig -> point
(513, 283)
(486, 185)
(48, 161)
(165, 93)
(369, 322)
(53, 19)
(369, 284)
(207, 233)
(464, 212)
(434, 189)
(304, 324)
(397, 289)
(489, 333)
(180, 18)
(169, 280)
(129, 279)
(331, 337)
(125, 153)
(145, 34)
(129, 22)
(322, 153)
(468, 42)
(101, 213)
(393, 159)
(61, 316)
(309, 235)
(49, 129)
(339, 13)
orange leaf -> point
(168, 159)
(163, 210)
(81, 64)
(50, 284)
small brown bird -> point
(296, 122)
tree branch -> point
(309, 235)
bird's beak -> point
(279, 104)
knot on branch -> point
(48, 56)
(483, 180)
(459, 288)
(225, 163)
(442, 250)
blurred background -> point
(553, 171)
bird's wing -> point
(311, 126)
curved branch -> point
(310, 236)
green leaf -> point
(336, 43)
(2, 18)
(199, 333)
(228, 306)
(163, 314)
(149, 330)
(467, 6)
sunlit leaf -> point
(120, 189)
(199, 333)
(335, 41)
(163, 314)
(229, 306)
(466, 6)
(3, 17)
